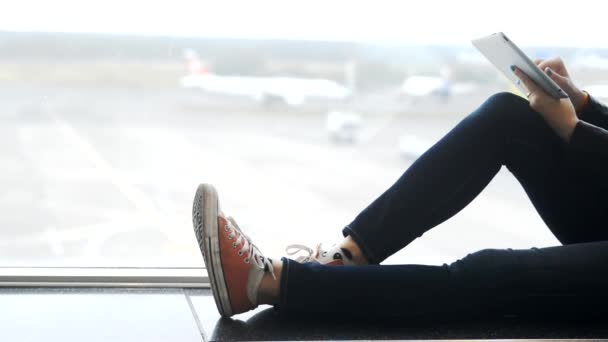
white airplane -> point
(441, 86)
(290, 90)
(418, 86)
(424, 86)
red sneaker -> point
(235, 265)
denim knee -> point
(504, 109)
(487, 269)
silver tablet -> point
(503, 53)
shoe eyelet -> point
(234, 245)
(240, 253)
(246, 260)
(230, 236)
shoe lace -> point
(253, 253)
(297, 248)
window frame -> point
(145, 277)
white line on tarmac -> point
(140, 200)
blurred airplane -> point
(415, 87)
(292, 91)
(420, 86)
(442, 86)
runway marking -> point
(140, 200)
(231, 174)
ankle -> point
(355, 252)
(269, 290)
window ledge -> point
(103, 277)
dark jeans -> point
(444, 180)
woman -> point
(557, 150)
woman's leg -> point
(514, 281)
(445, 179)
(558, 280)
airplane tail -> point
(193, 63)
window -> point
(301, 113)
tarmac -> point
(104, 177)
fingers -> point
(559, 79)
(537, 61)
(557, 62)
(530, 85)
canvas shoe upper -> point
(234, 264)
(332, 256)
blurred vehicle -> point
(412, 146)
(292, 91)
(343, 127)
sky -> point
(579, 23)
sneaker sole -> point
(204, 219)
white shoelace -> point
(296, 248)
(253, 253)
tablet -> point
(503, 53)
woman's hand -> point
(556, 70)
(558, 113)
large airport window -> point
(299, 112)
